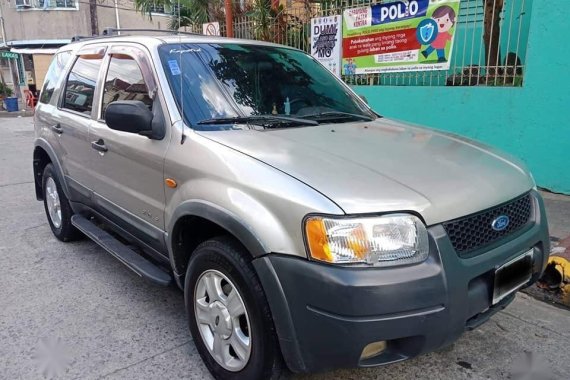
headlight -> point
(384, 240)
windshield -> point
(222, 81)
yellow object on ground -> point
(562, 265)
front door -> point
(127, 174)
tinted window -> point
(124, 82)
(224, 80)
(53, 74)
(80, 85)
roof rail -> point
(112, 31)
(81, 38)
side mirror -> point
(129, 116)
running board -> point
(124, 254)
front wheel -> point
(228, 313)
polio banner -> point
(326, 41)
(404, 35)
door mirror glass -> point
(129, 116)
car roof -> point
(153, 41)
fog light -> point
(373, 349)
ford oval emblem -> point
(500, 223)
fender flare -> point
(44, 145)
(220, 216)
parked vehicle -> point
(306, 230)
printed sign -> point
(211, 28)
(404, 35)
(8, 54)
(326, 41)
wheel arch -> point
(196, 221)
(43, 155)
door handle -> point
(57, 128)
(99, 146)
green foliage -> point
(263, 16)
(5, 90)
(499, 81)
(192, 12)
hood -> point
(385, 165)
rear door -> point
(46, 117)
(128, 178)
(75, 114)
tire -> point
(225, 257)
(56, 205)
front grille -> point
(474, 231)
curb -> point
(6, 114)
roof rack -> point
(112, 31)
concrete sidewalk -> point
(558, 210)
(76, 305)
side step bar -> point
(124, 254)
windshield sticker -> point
(174, 69)
(180, 51)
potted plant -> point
(5, 91)
(10, 103)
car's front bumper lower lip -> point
(325, 315)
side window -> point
(124, 81)
(80, 85)
(53, 74)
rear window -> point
(53, 75)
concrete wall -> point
(35, 24)
(128, 18)
(531, 122)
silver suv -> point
(306, 230)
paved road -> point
(76, 304)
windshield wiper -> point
(337, 115)
(263, 120)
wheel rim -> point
(222, 320)
(53, 204)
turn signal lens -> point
(317, 240)
(384, 241)
(170, 183)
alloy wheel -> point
(222, 320)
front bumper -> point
(325, 315)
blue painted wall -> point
(531, 122)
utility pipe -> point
(118, 21)
(229, 18)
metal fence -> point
(489, 48)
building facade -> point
(32, 30)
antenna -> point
(182, 126)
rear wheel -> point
(57, 207)
(228, 313)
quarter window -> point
(80, 86)
(124, 82)
(55, 71)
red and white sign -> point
(211, 28)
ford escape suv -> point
(305, 230)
